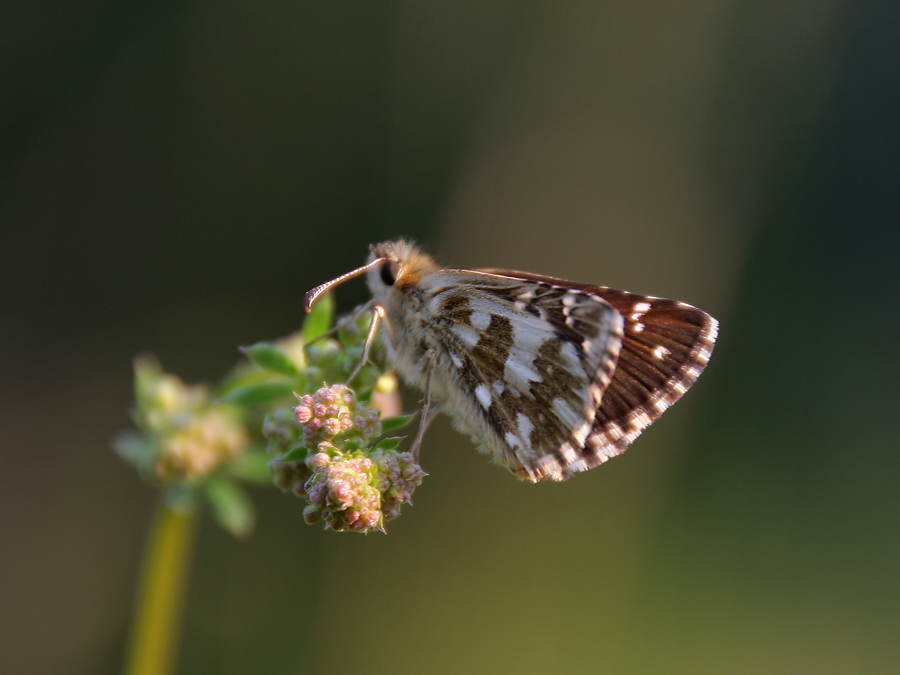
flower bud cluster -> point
(332, 411)
(281, 431)
(361, 489)
(320, 454)
(342, 491)
(206, 440)
(398, 477)
(187, 435)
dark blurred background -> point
(173, 176)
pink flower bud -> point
(333, 426)
(317, 494)
(303, 414)
(341, 490)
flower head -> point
(348, 486)
(187, 434)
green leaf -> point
(388, 443)
(253, 467)
(319, 319)
(231, 506)
(262, 392)
(296, 454)
(350, 446)
(268, 356)
(397, 422)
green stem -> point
(157, 618)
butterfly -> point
(550, 377)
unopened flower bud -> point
(312, 514)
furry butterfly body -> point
(550, 377)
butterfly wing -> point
(523, 364)
(665, 346)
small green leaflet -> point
(268, 356)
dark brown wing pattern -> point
(666, 346)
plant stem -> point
(157, 619)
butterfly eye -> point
(389, 273)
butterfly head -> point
(392, 265)
(396, 265)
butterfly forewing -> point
(533, 358)
(666, 346)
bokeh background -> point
(174, 175)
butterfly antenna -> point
(314, 294)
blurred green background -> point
(174, 175)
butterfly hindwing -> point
(534, 359)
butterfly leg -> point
(424, 415)
(377, 315)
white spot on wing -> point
(642, 307)
(571, 356)
(456, 360)
(518, 371)
(639, 419)
(512, 440)
(659, 352)
(615, 431)
(525, 426)
(568, 452)
(480, 320)
(466, 333)
(483, 394)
